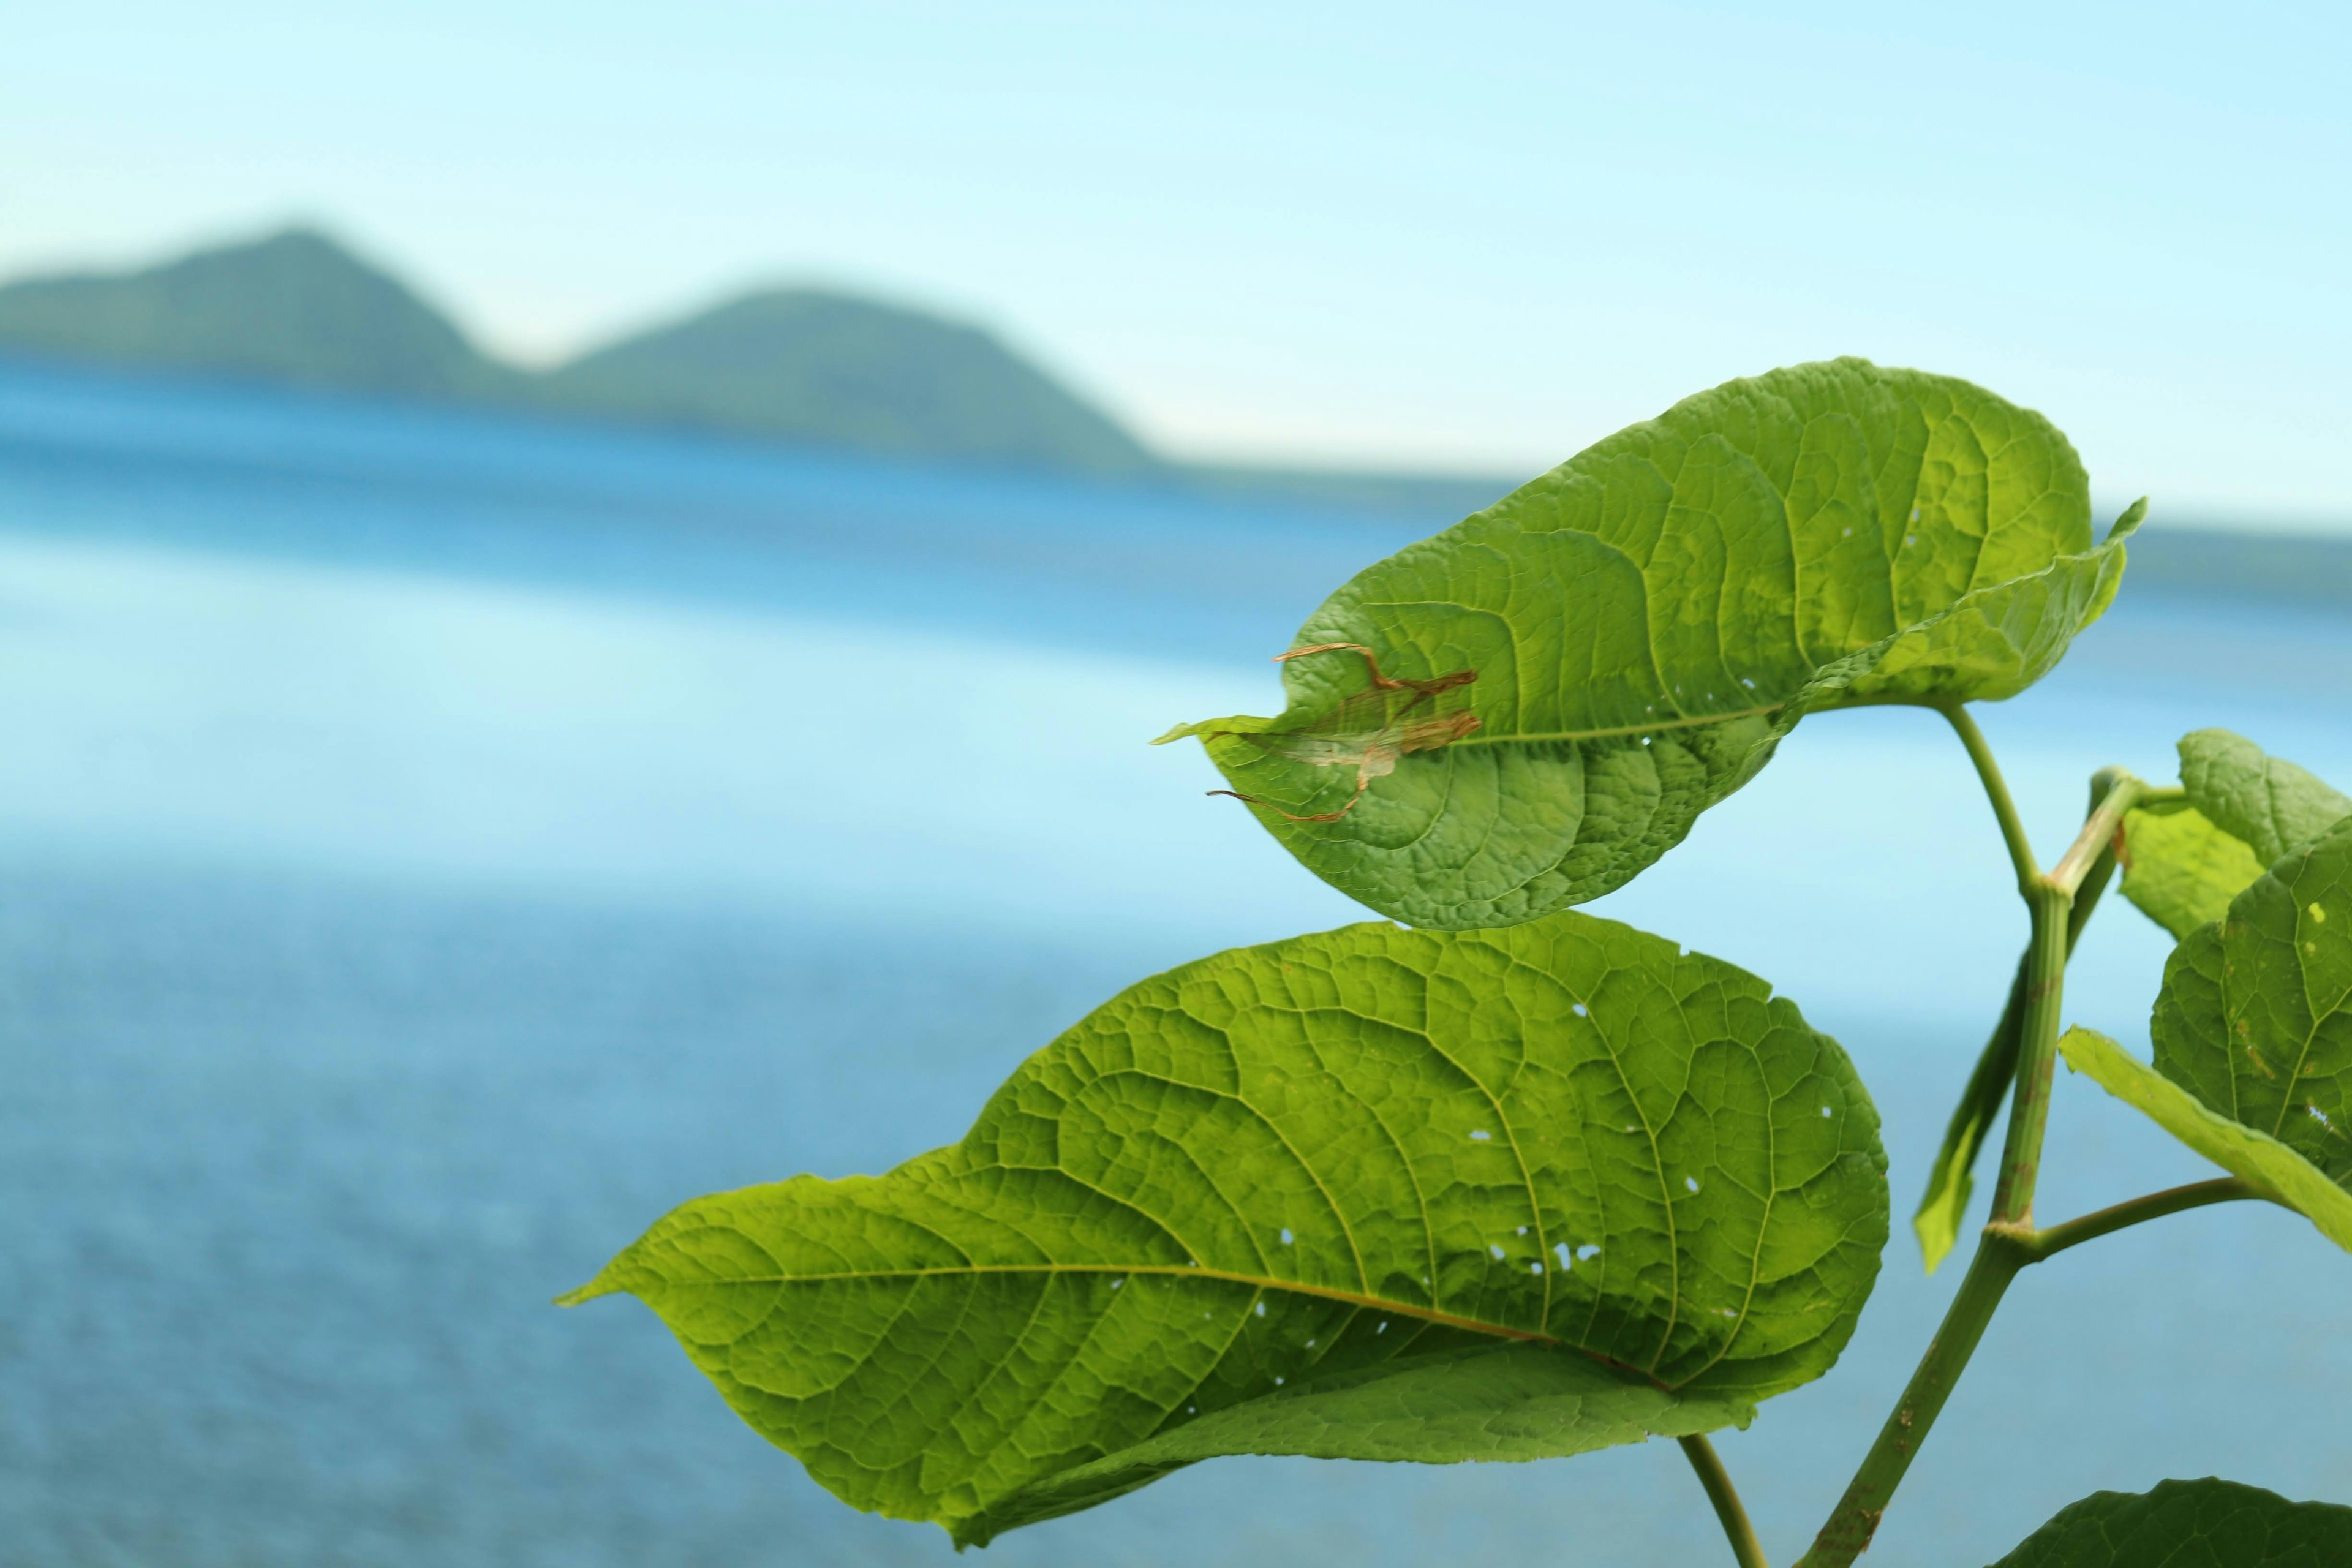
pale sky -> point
(1466, 236)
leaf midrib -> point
(1184, 1272)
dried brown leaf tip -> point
(1389, 719)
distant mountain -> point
(294, 307)
(801, 365)
(836, 371)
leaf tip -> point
(2128, 523)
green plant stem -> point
(1745, 1547)
(2050, 899)
(2040, 1245)
(1996, 788)
(2037, 1054)
(1847, 1534)
(1996, 1069)
(2003, 1249)
(2003, 1252)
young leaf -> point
(2209, 1523)
(2271, 804)
(2183, 871)
(1372, 1193)
(2237, 1148)
(2246, 809)
(2253, 1038)
(1524, 711)
(2252, 1018)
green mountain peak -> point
(804, 365)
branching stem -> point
(2040, 1245)
(1745, 1548)
(2001, 1254)
(2010, 1243)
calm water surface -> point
(437, 845)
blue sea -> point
(435, 844)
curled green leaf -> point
(2209, 1523)
(2245, 809)
(2240, 1150)
(1584, 667)
(1372, 1193)
(2253, 1038)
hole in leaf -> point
(1261, 1309)
(1481, 1135)
(1825, 1111)
(1534, 1268)
(1691, 1181)
(1286, 1237)
(1496, 1250)
(1579, 1010)
(1383, 1329)
(1560, 1247)
(1587, 1251)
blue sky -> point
(1468, 237)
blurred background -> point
(582, 589)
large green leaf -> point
(1522, 712)
(2190, 1524)
(2245, 809)
(1372, 1193)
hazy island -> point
(814, 367)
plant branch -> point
(1949, 1184)
(2003, 1252)
(1847, 1534)
(2113, 792)
(2038, 1245)
(1745, 1547)
(2010, 1243)
(1996, 788)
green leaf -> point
(2271, 804)
(2209, 1523)
(1950, 1181)
(1372, 1193)
(2245, 810)
(1524, 711)
(2237, 1148)
(2183, 871)
(2252, 1017)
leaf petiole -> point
(1996, 788)
(1746, 1549)
(2040, 1245)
